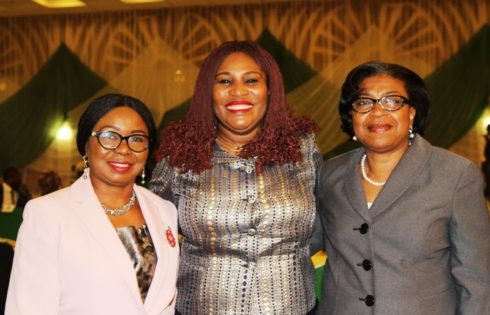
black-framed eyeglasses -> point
(388, 103)
(110, 140)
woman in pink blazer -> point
(103, 245)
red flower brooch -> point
(170, 237)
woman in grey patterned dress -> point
(241, 171)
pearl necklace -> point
(124, 209)
(364, 175)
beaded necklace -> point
(124, 209)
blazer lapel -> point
(405, 173)
(92, 216)
(157, 228)
(353, 186)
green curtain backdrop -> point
(155, 55)
(30, 118)
(459, 90)
(294, 70)
(139, 53)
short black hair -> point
(104, 104)
(11, 172)
(417, 92)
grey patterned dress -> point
(139, 246)
(246, 235)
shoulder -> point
(163, 166)
(444, 160)
(162, 176)
(335, 170)
(448, 162)
(47, 213)
(155, 199)
(52, 202)
(307, 141)
(310, 150)
(438, 157)
(446, 157)
(163, 169)
(441, 166)
(340, 162)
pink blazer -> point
(69, 259)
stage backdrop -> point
(51, 66)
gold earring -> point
(85, 166)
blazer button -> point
(251, 232)
(366, 264)
(363, 229)
(369, 300)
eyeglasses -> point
(111, 140)
(388, 103)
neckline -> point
(231, 149)
(365, 176)
(131, 227)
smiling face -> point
(380, 130)
(239, 96)
(118, 167)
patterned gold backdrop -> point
(155, 55)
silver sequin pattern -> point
(245, 235)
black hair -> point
(104, 104)
(188, 143)
(417, 92)
(11, 173)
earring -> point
(354, 138)
(143, 175)
(411, 135)
(85, 167)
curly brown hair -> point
(188, 143)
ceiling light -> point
(65, 132)
(60, 3)
(140, 1)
